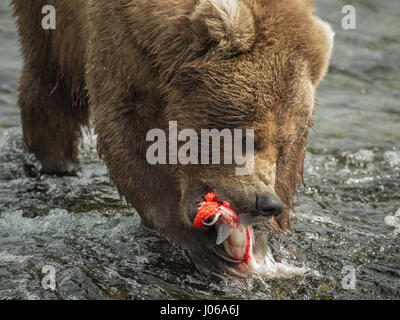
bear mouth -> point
(237, 242)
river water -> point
(347, 215)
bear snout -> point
(268, 205)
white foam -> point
(392, 158)
(394, 221)
(272, 269)
(6, 257)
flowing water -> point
(347, 215)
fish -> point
(235, 233)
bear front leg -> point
(51, 120)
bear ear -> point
(321, 56)
(224, 26)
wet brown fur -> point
(139, 64)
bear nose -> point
(268, 205)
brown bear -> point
(138, 65)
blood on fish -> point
(211, 197)
(210, 207)
(246, 253)
(206, 211)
